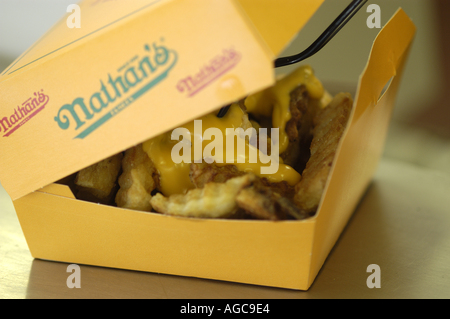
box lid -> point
(133, 69)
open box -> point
(54, 127)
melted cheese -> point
(274, 102)
(174, 177)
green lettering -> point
(101, 104)
(64, 121)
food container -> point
(138, 68)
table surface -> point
(401, 224)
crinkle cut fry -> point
(299, 128)
(214, 200)
(262, 202)
(97, 183)
(138, 180)
(241, 194)
(329, 125)
(202, 173)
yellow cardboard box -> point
(134, 70)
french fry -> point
(138, 180)
(98, 182)
(214, 200)
(329, 125)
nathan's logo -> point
(136, 77)
(22, 114)
(211, 71)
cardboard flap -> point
(93, 22)
(60, 101)
(279, 21)
(276, 22)
(57, 189)
(362, 144)
(124, 79)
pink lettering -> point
(24, 113)
(210, 72)
(4, 121)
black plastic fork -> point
(321, 41)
